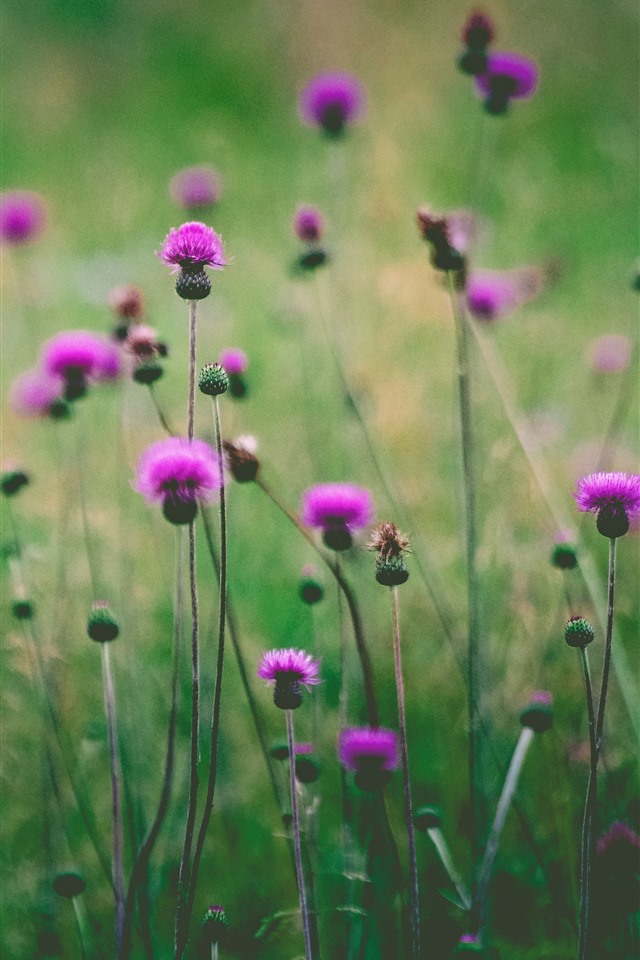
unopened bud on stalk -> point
(102, 626)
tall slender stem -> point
(295, 814)
(508, 790)
(462, 343)
(84, 514)
(215, 717)
(145, 851)
(116, 796)
(608, 642)
(166, 426)
(81, 923)
(586, 844)
(437, 838)
(193, 305)
(408, 813)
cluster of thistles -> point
(500, 77)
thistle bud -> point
(538, 715)
(102, 626)
(428, 818)
(69, 885)
(13, 481)
(214, 380)
(578, 632)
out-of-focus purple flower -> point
(609, 354)
(462, 229)
(469, 943)
(372, 752)
(492, 294)
(34, 393)
(338, 509)
(478, 30)
(618, 833)
(287, 671)
(234, 361)
(79, 357)
(508, 76)
(193, 245)
(196, 187)
(538, 714)
(308, 224)
(614, 497)
(332, 101)
(23, 216)
(564, 554)
(178, 473)
(126, 302)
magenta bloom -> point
(195, 187)
(308, 224)
(609, 354)
(193, 245)
(338, 509)
(80, 357)
(372, 752)
(614, 497)
(619, 833)
(34, 393)
(287, 671)
(492, 294)
(23, 216)
(508, 76)
(332, 101)
(178, 473)
(234, 361)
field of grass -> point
(102, 102)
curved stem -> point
(161, 417)
(588, 820)
(145, 851)
(116, 796)
(408, 813)
(215, 717)
(437, 838)
(508, 790)
(295, 814)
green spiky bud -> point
(13, 481)
(391, 571)
(428, 818)
(148, 372)
(214, 924)
(214, 380)
(193, 283)
(578, 632)
(102, 626)
(538, 715)
(564, 556)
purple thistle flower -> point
(23, 216)
(618, 833)
(193, 245)
(126, 302)
(178, 473)
(34, 393)
(287, 671)
(614, 497)
(79, 357)
(234, 361)
(492, 294)
(308, 224)
(338, 509)
(195, 187)
(469, 943)
(332, 101)
(609, 354)
(372, 752)
(508, 76)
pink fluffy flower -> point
(308, 224)
(614, 497)
(234, 361)
(23, 216)
(332, 101)
(193, 244)
(492, 294)
(287, 671)
(507, 76)
(178, 473)
(338, 509)
(34, 393)
(195, 187)
(80, 357)
(372, 752)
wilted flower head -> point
(609, 354)
(193, 245)
(126, 302)
(508, 76)
(287, 671)
(23, 216)
(35, 393)
(80, 356)
(178, 473)
(436, 231)
(142, 341)
(614, 497)
(338, 509)
(308, 224)
(234, 361)
(332, 101)
(195, 187)
(241, 459)
(492, 294)
(372, 752)
(391, 570)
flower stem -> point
(193, 305)
(508, 790)
(437, 838)
(161, 417)
(302, 893)
(474, 760)
(84, 515)
(81, 923)
(116, 798)
(608, 642)
(586, 844)
(408, 813)
(144, 853)
(215, 717)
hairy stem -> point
(295, 814)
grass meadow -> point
(352, 377)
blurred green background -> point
(102, 102)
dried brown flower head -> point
(388, 541)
